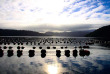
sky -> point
(54, 15)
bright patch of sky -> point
(54, 15)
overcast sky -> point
(54, 15)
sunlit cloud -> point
(55, 14)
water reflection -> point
(43, 53)
(83, 52)
(58, 53)
(10, 53)
(67, 53)
(19, 53)
(1, 53)
(52, 69)
(53, 56)
(75, 53)
(31, 53)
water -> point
(97, 62)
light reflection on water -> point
(98, 62)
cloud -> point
(52, 13)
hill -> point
(9, 32)
(101, 32)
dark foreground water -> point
(94, 60)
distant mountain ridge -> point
(75, 33)
(9, 32)
(101, 32)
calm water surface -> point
(97, 62)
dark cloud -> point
(45, 27)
